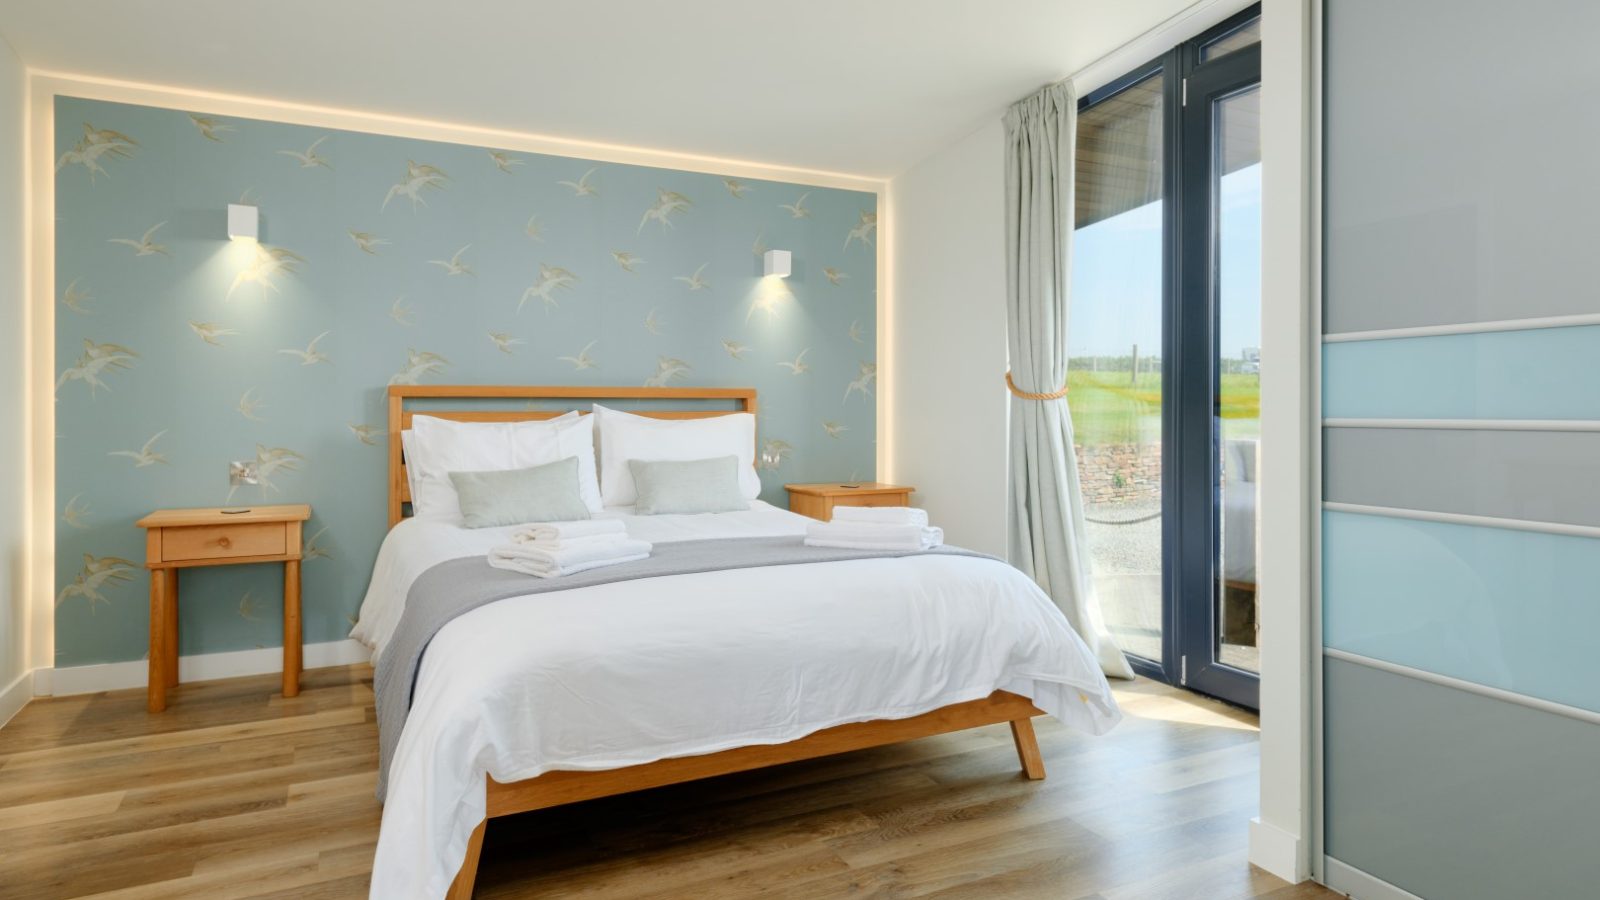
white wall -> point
(1280, 836)
(947, 333)
(13, 470)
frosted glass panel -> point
(1547, 373)
(1508, 609)
(1453, 795)
(1460, 160)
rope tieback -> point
(1033, 395)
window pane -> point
(1115, 347)
(1238, 39)
(1237, 189)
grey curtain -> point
(1046, 505)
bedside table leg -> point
(156, 699)
(291, 628)
(170, 592)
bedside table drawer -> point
(871, 500)
(223, 541)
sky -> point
(1116, 276)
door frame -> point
(1199, 500)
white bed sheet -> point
(631, 672)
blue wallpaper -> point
(387, 260)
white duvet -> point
(628, 673)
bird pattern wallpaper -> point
(386, 260)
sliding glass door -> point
(1115, 381)
(1165, 357)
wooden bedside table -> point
(183, 538)
(818, 500)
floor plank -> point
(238, 792)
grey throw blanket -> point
(457, 586)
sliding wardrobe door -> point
(1460, 565)
(1219, 318)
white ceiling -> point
(864, 87)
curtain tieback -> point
(1032, 395)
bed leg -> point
(1028, 749)
(461, 888)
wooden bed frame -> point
(562, 787)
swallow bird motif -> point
(210, 128)
(582, 187)
(145, 245)
(367, 241)
(454, 265)
(97, 574)
(583, 360)
(696, 282)
(419, 177)
(310, 356)
(419, 363)
(798, 208)
(309, 158)
(667, 204)
(866, 224)
(146, 455)
(551, 279)
(505, 162)
(97, 360)
(668, 369)
(210, 332)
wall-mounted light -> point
(244, 222)
(776, 262)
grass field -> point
(1108, 409)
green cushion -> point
(547, 493)
(690, 486)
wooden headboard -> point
(400, 415)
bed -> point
(541, 700)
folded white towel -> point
(561, 531)
(555, 563)
(587, 540)
(882, 515)
(866, 536)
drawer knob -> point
(224, 543)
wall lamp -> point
(244, 222)
(776, 262)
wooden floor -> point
(235, 791)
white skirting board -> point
(201, 667)
(14, 696)
(1353, 882)
(1276, 851)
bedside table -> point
(184, 538)
(818, 500)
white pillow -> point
(408, 452)
(624, 436)
(442, 446)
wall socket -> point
(242, 472)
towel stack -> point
(553, 549)
(875, 528)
